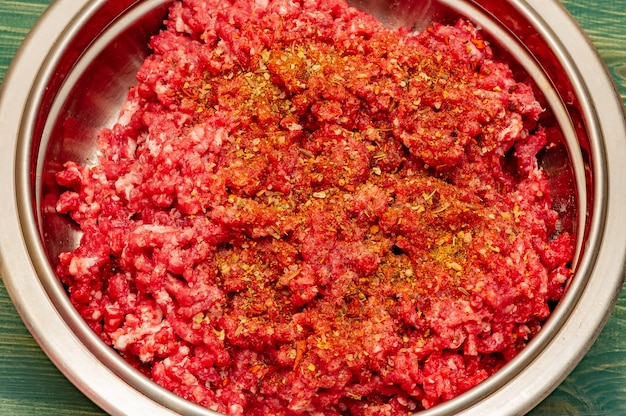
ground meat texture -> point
(301, 212)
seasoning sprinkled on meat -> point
(302, 212)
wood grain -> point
(605, 24)
(17, 18)
(31, 385)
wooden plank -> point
(17, 19)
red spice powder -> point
(300, 211)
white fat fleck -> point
(473, 51)
(76, 171)
(218, 138)
(81, 264)
(286, 7)
(181, 26)
(153, 146)
(196, 134)
(122, 342)
(512, 130)
(100, 177)
(167, 150)
(235, 409)
(160, 88)
(155, 228)
(151, 322)
(510, 309)
(208, 138)
(126, 183)
(128, 110)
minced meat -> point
(301, 212)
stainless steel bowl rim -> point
(102, 376)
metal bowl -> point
(71, 76)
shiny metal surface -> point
(71, 76)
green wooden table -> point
(31, 385)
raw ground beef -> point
(302, 212)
